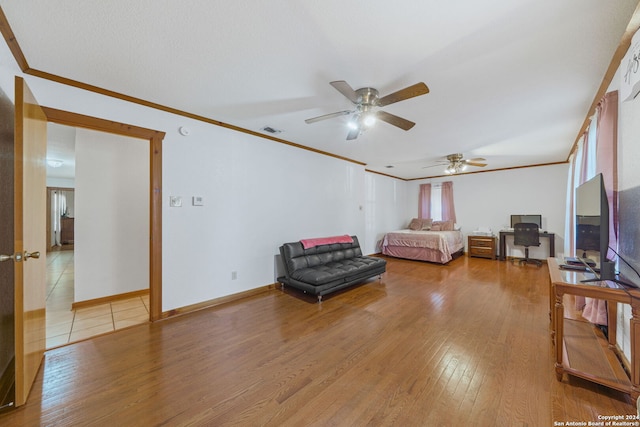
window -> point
(436, 202)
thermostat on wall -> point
(198, 201)
(184, 131)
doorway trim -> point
(155, 138)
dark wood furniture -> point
(66, 230)
(482, 246)
(581, 349)
(503, 245)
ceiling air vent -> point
(271, 130)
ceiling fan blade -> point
(394, 120)
(328, 116)
(406, 93)
(344, 88)
(436, 165)
(478, 164)
(478, 161)
(353, 134)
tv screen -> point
(629, 234)
(534, 219)
(587, 234)
(592, 225)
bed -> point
(433, 245)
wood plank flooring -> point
(462, 344)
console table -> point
(503, 244)
(580, 348)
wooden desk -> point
(503, 245)
(580, 348)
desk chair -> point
(527, 234)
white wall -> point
(257, 195)
(385, 209)
(488, 200)
(111, 240)
(61, 182)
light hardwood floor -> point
(466, 344)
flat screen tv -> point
(592, 226)
(535, 219)
(629, 235)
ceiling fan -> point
(367, 102)
(456, 163)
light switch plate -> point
(175, 201)
(198, 201)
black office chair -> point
(526, 234)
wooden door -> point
(29, 235)
(7, 306)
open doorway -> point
(60, 218)
(69, 317)
(92, 287)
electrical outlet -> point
(198, 201)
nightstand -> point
(482, 246)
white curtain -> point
(58, 209)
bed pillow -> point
(442, 226)
(426, 224)
(415, 224)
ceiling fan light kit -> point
(455, 168)
(368, 102)
(54, 163)
(361, 122)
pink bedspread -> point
(433, 246)
(309, 243)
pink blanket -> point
(309, 243)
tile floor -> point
(65, 325)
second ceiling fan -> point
(456, 163)
(367, 102)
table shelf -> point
(588, 355)
(581, 349)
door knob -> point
(17, 257)
(28, 255)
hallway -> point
(65, 325)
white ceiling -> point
(510, 81)
(61, 142)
